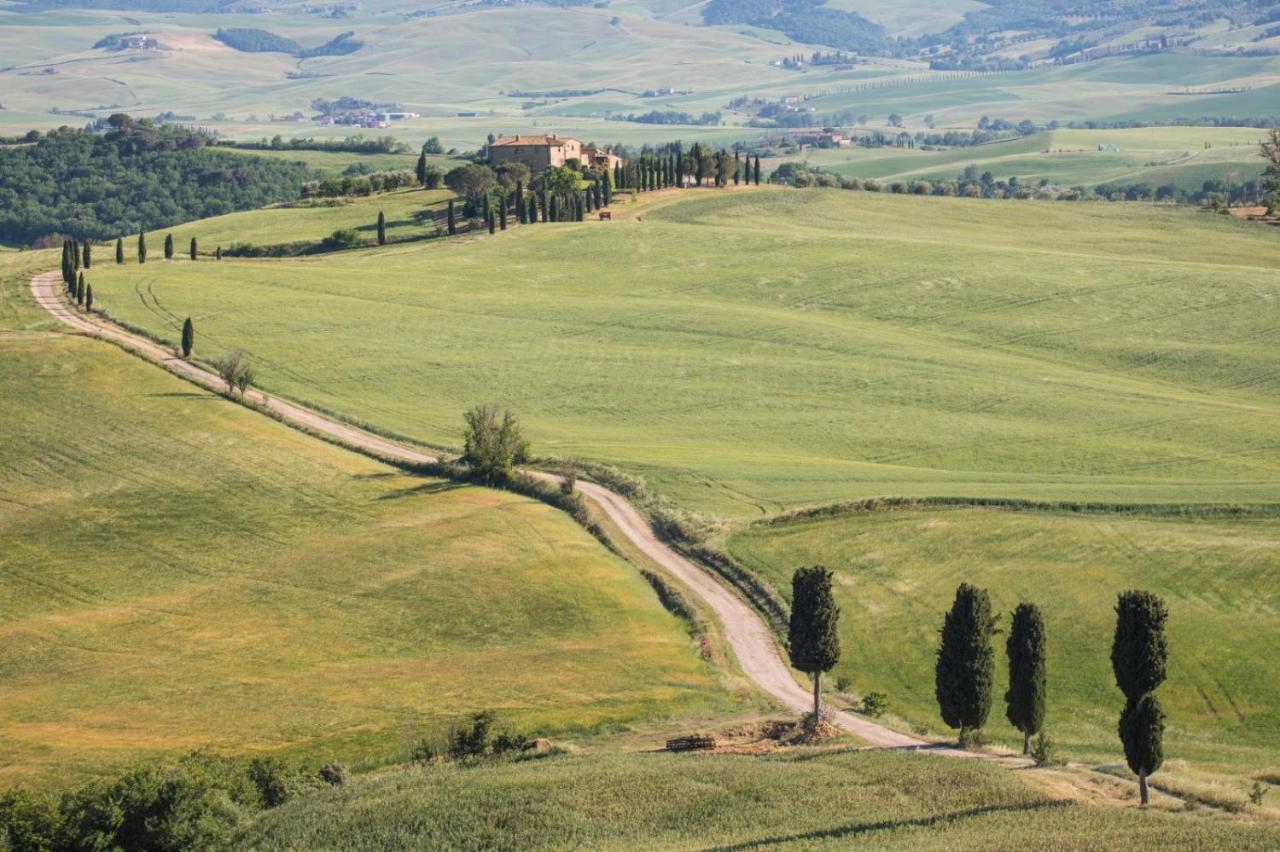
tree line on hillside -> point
(136, 175)
(964, 672)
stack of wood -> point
(693, 742)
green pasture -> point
(1183, 156)
(897, 572)
(797, 800)
(181, 573)
(409, 214)
(753, 351)
(337, 162)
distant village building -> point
(543, 152)
(137, 42)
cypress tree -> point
(965, 669)
(217, 253)
(580, 202)
(80, 290)
(488, 217)
(422, 169)
(453, 224)
(1025, 699)
(142, 247)
(617, 174)
(813, 643)
(194, 250)
(382, 228)
(502, 215)
(531, 209)
(75, 254)
(545, 204)
(66, 263)
(119, 249)
(87, 259)
(522, 215)
(737, 167)
(168, 246)
(589, 196)
(757, 169)
(88, 297)
(188, 337)
(554, 211)
(1139, 659)
(608, 194)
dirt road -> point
(743, 628)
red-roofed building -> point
(543, 152)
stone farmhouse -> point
(542, 152)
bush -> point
(333, 774)
(343, 238)
(1043, 751)
(874, 704)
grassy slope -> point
(759, 350)
(799, 801)
(898, 572)
(179, 572)
(409, 214)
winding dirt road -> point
(744, 630)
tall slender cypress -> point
(502, 215)
(87, 252)
(194, 250)
(453, 224)
(422, 169)
(66, 262)
(757, 169)
(608, 194)
(813, 642)
(217, 253)
(1139, 659)
(88, 297)
(382, 228)
(965, 669)
(188, 337)
(545, 204)
(488, 216)
(119, 249)
(737, 167)
(80, 290)
(168, 246)
(522, 215)
(1025, 700)
(75, 254)
(142, 247)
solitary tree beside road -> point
(492, 443)
(188, 337)
(813, 643)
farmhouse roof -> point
(547, 141)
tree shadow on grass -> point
(860, 828)
(425, 488)
(181, 395)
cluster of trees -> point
(806, 21)
(964, 673)
(77, 257)
(670, 116)
(135, 175)
(341, 186)
(199, 802)
(356, 144)
(250, 40)
(670, 166)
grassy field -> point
(409, 212)
(802, 800)
(751, 351)
(1183, 156)
(182, 573)
(897, 573)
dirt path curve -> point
(743, 628)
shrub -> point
(492, 443)
(471, 740)
(872, 186)
(874, 704)
(333, 774)
(1258, 793)
(1044, 751)
(343, 238)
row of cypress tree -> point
(193, 250)
(964, 673)
(76, 257)
(676, 169)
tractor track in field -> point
(744, 630)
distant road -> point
(743, 628)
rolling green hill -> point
(751, 351)
(181, 573)
(897, 574)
